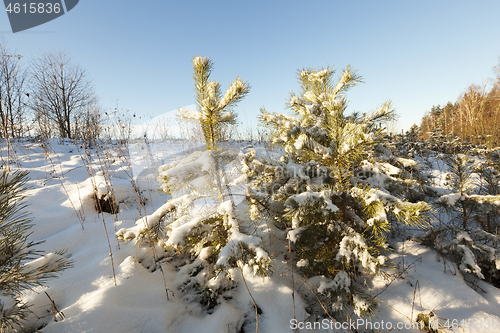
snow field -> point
(60, 200)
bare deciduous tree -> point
(88, 122)
(12, 95)
(61, 93)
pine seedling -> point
(214, 110)
(335, 224)
(470, 239)
(21, 266)
(200, 226)
(462, 185)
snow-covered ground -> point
(119, 294)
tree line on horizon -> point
(474, 117)
(51, 97)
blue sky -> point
(138, 53)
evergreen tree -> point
(214, 110)
(470, 238)
(461, 182)
(336, 225)
(21, 265)
(201, 226)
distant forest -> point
(474, 117)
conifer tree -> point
(211, 234)
(214, 110)
(470, 238)
(21, 265)
(336, 225)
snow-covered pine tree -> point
(391, 168)
(214, 110)
(21, 265)
(336, 225)
(470, 238)
(201, 224)
(460, 168)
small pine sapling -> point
(22, 267)
(202, 224)
(489, 216)
(459, 203)
(470, 238)
(335, 224)
(215, 111)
